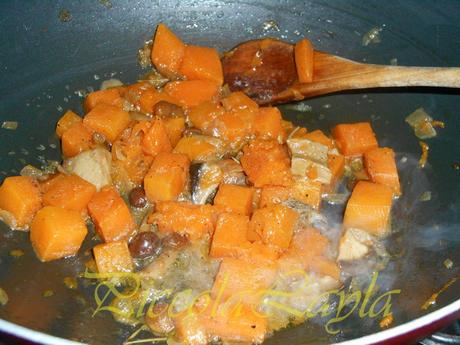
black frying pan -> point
(46, 61)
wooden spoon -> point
(265, 70)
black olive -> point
(137, 197)
(144, 244)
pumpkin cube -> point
(381, 167)
(229, 235)
(236, 199)
(113, 257)
(66, 121)
(201, 63)
(156, 139)
(76, 139)
(107, 120)
(354, 139)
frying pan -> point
(52, 52)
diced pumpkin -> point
(241, 276)
(66, 121)
(190, 93)
(76, 139)
(319, 137)
(307, 191)
(203, 115)
(234, 126)
(229, 235)
(304, 61)
(111, 216)
(174, 127)
(107, 120)
(239, 101)
(236, 199)
(167, 177)
(369, 208)
(354, 138)
(70, 192)
(113, 257)
(237, 324)
(196, 148)
(272, 195)
(275, 224)
(130, 162)
(167, 51)
(267, 124)
(57, 233)
(195, 221)
(21, 197)
(266, 162)
(325, 267)
(144, 96)
(109, 97)
(156, 139)
(200, 63)
(381, 167)
(336, 164)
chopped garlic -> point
(354, 244)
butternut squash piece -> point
(56, 233)
(304, 61)
(196, 148)
(268, 125)
(307, 191)
(113, 257)
(272, 195)
(70, 192)
(234, 126)
(336, 164)
(144, 96)
(174, 127)
(354, 139)
(229, 235)
(381, 167)
(266, 162)
(76, 139)
(109, 97)
(203, 115)
(236, 199)
(21, 197)
(66, 121)
(111, 216)
(190, 93)
(239, 101)
(319, 137)
(156, 139)
(167, 177)
(369, 208)
(275, 224)
(107, 120)
(195, 221)
(167, 52)
(201, 63)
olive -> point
(166, 109)
(144, 244)
(137, 197)
(175, 241)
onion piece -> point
(110, 83)
(422, 124)
(10, 125)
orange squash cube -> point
(174, 127)
(111, 216)
(167, 51)
(304, 61)
(272, 195)
(107, 120)
(234, 126)
(369, 208)
(268, 125)
(66, 121)
(319, 137)
(229, 235)
(70, 192)
(201, 63)
(21, 197)
(381, 167)
(239, 101)
(236, 199)
(190, 93)
(156, 139)
(266, 162)
(113, 257)
(57, 233)
(275, 224)
(110, 96)
(195, 221)
(76, 139)
(203, 115)
(167, 177)
(196, 148)
(307, 191)
(354, 139)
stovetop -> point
(449, 335)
